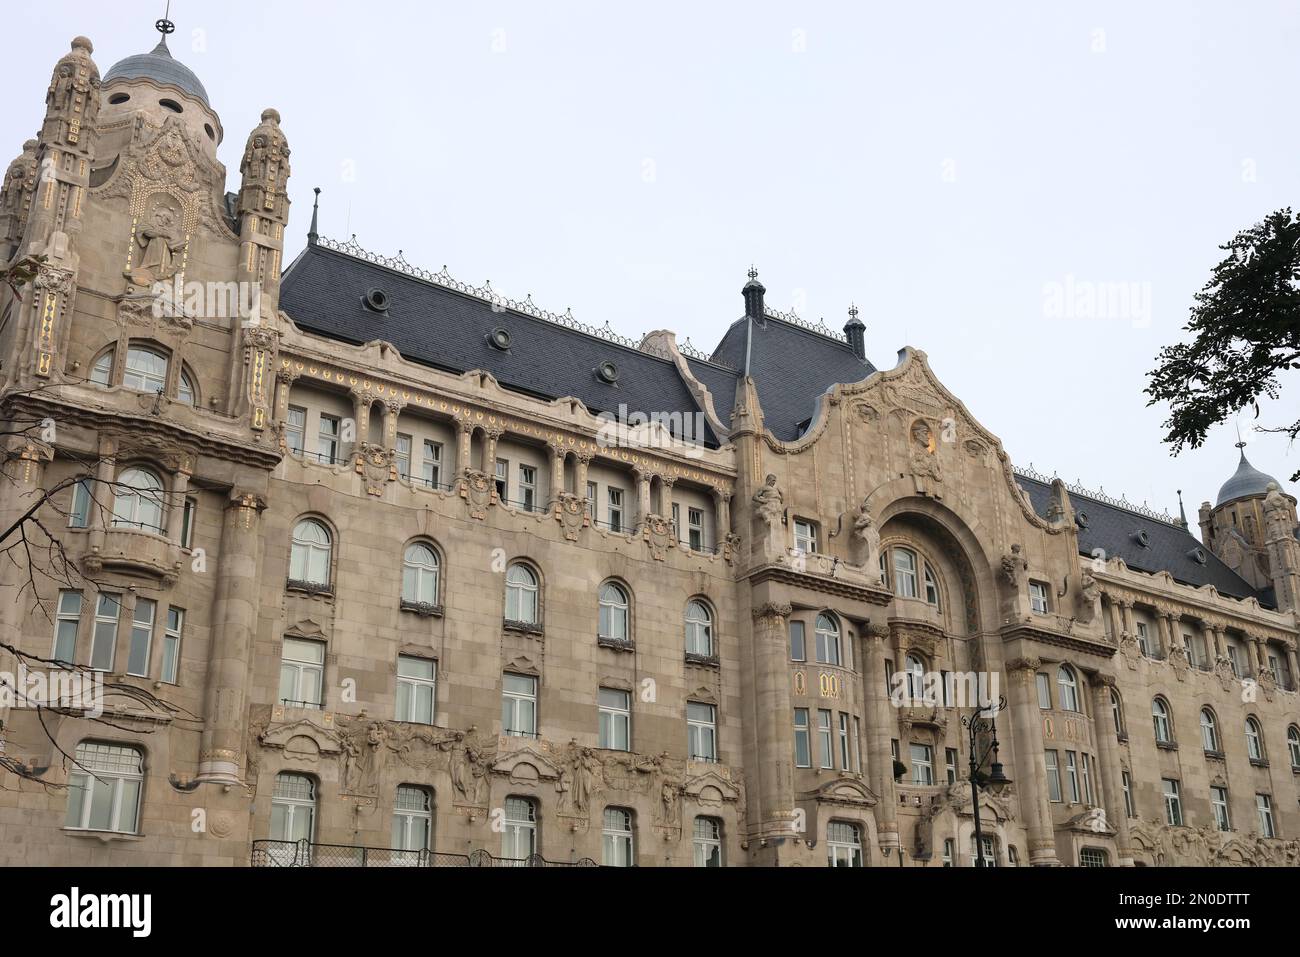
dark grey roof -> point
(720, 382)
(323, 293)
(792, 367)
(160, 66)
(1116, 532)
(1247, 480)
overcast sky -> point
(967, 173)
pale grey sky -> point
(951, 167)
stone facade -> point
(749, 605)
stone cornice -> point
(1032, 630)
(786, 575)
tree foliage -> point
(1246, 328)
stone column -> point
(176, 506)
(464, 444)
(284, 379)
(361, 402)
(101, 499)
(880, 717)
(1031, 767)
(643, 477)
(1111, 770)
(392, 409)
(1116, 622)
(1261, 660)
(556, 452)
(721, 516)
(234, 627)
(1214, 640)
(771, 788)
(1126, 607)
(666, 501)
(1291, 664)
(1167, 637)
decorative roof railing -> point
(1098, 495)
(793, 318)
(524, 306)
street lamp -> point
(984, 721)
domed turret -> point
(1247, 481)
(160, 66)
(1234, 529)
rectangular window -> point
(66, 624)
(1264, 804)
(843, 844)
(302, 673)
(950, 760)
(79, 514)
(1072, 776)
(695, 533)
(1143, 643)
(701, 731)
(104, 643)
(846, 761)
(947, 851)
(412, 820)
(527, 487)
(677, 523)
(1126, 783)
(1044, 691)
(802, 743)
(1092, 857)
(1173, 802)
(1085, 772)
(402, 456)
(591, 500)
(857, 743)
(798, 644)
(171, 653)
(805, 536)
(988, 850)
(824, 738)
(104, 788)
(615, 719)
(137, 656)
(708, 842)
(1053, 776)
(614, 513)
(616, 839)
(188, 513)
(1038, 597)
(1219, 802)
(519, 706)
(519, 838)
(327, 441)
(432, 463)
(416, 689)
(1233, 656)
(295, 429)
(502, 480)
(922, 764)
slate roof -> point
(1247, 480)
(792, 367)
(324, 291)
(160, 66)
(1169, 548)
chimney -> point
(855, 331)
(753, 293)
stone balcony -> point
(135, 551)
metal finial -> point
(313, 234)
(853, 310)
(165, 26)
(753, 273)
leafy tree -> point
(1246, 324)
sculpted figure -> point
(161, 242)
(866, 540)
(1015, 568)
(926, 471)
(768, 501)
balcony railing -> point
(269, 853)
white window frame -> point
(100, 766)
(528, 487)
(805, 536)
(519, 705)
(412, 819)
(431, 463)
(416, 700)
(827, 634)
(922, 756)
(170, 666)
(402, 455)
(1255, 740)
(843, 844)
(706, 841)
(615, 613)
(1264, 812)
(140, 644)
(140, 379)
(295, 429)
(699, 629)
(293, 808)
(520, 831)
(701, 731)
(1161, 725)
(618, 838)
(327, 439)
(695, 528)
(825, 739)
(1172, 792)
(1052, 763)
(307, 553)
(300, 658)
(522, 594)
(420, 574)
(67, 625)
(802, 739)
(1221, 808)
(1067, 682)
(1038, 598)
(614, 508)
(79, 512)
(136, 505)
(614, 708)
(108, 610)
(1209, 732)
(905, 563)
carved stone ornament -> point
(1131, 650)
(658, 534)
(375, 466)
(476, 489)
(1178, 661)
(1223, 671)
(571, 514)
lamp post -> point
(984, 721)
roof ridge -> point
(793, 318)
(1099, 495)
(485, 293)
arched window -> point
(699, 629)
(293, 807)
(101, 373)
(309, 557)
(146, 370)
(412, 819)
(1160, 719)
(185, 388)
(1117, 711)
(1068, 683)
(519, 836)
(931, 587)
(614, 613)
(828, 640)
(138, 500)
(904, 573)
(843, 844)
(1209, 731)
(915, 669)
(616, 845)
(1254, 740)
(521, 594)
(104, 788)
(1293, 745)
(420, 574)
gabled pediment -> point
(845, 792)
(526, 765)
(711, 789)
(326, 741)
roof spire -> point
(165, 27)
(312, 234)
(1182, 515)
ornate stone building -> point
(380, 567)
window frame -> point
(299, 668)
(90, 775)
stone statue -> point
(584, 766)
(161, 243)
(469, 767)
(1277, 514)
(926, 470)
(1089, 595)
(769, 507)
(866, 541)
(1015, 568)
